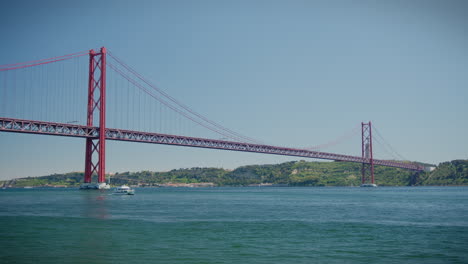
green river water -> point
(235, 225)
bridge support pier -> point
(367, 156)
(95, 159)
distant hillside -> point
(299, 173)
(453, 172)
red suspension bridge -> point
(49, 91)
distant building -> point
(429, 169)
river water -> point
(235, 225)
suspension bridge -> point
(102, 98)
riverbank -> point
(300, 173)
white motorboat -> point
(124, 189)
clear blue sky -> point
(293, 73)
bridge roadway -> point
(73, 130)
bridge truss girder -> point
(73, 130)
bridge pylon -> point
(367, 156)
(95, 159)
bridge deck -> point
(73, 130)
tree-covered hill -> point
(300, 173)
(453, 172)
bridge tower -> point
(95, 159)
(367, 156)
